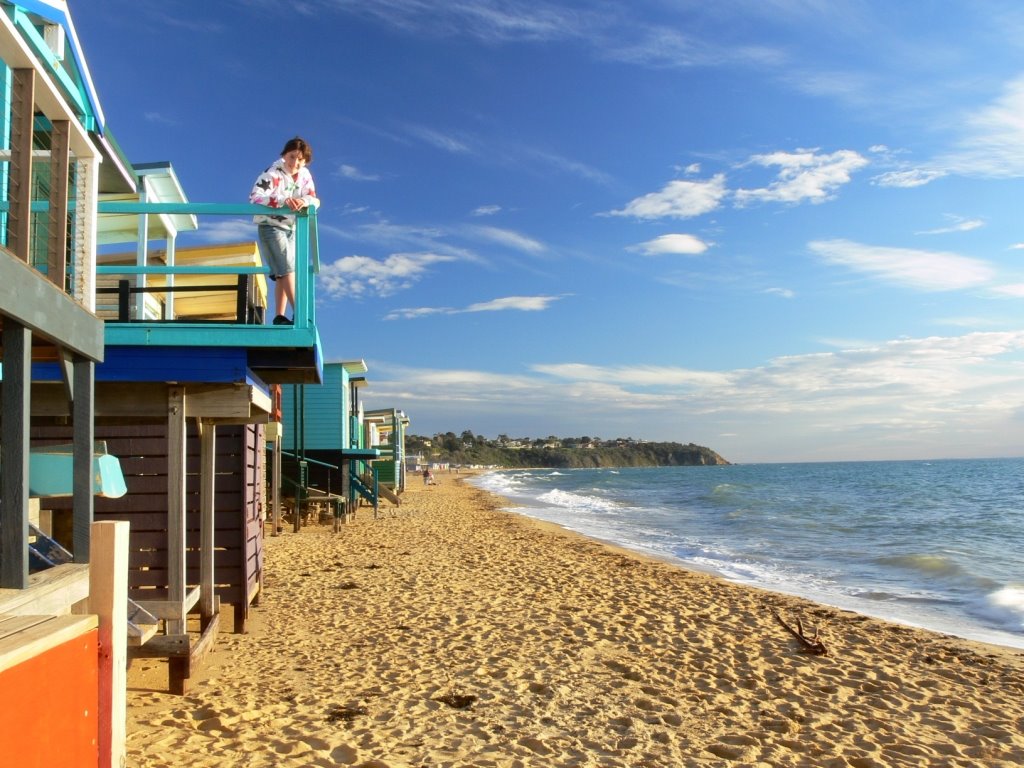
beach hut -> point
(182, 397)
(326, 455)
(386, 428)
(63, 627)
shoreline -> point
(964, 627)
(564, 651)
(981, 646)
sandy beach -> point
(456, 634)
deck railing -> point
(133, 325)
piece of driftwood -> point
(810, 644)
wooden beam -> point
(275, 488)
(207, 493)
(108, 599)
(84, 432)
(19, 218)
(57, 229)
(176, 439)
(14, 450)
(52, 591)
(168, 609)
(224, 403)
(51, 314)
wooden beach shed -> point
(183, 396)
(62, 626)
(327, 458)
(386, 428)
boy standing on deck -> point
(287, 183)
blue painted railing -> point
(302, 333)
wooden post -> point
(275, 480)
(108, 598)
(19, 217)
(83, 409)
(176, 439)
(14, 448)
(57, 225)
(207, 491)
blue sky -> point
(785, 229)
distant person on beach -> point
(287, 183)
(426, 476)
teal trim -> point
(5, 143)
(92, 113)
(209, 335)
(75, 93)
(228, 209)
(125, 269)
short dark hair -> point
(301, 145)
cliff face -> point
(632, 455)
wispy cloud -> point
(514, 303)
(993, 141)
(678, 200)
(922, 387)
(159, 118)
(909, 178)
(448, 142)
(1013, 290)
(924, 270)
(486, 210)
(359, 276)
(407, 237)
(785, 293)
(677, 244)
(509, 239)
(803, 175)
(352, 173)
(960, 224)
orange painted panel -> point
(49, 706)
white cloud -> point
(785, 293)
(518, 303)
(682, 244)
(639, 376)
(908, 179)
(510, 239)
(486, 210)
(159, 118)
(453, 144)
(925, 270)
(354, 174)
(959, 224)
(359, 276)
(959, 387)
(993, 141)
(521, 303)
(678, 200)
(803, 175)
(1014, 290)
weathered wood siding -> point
(238, 526)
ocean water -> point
(934, 544)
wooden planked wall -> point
(238, 525)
